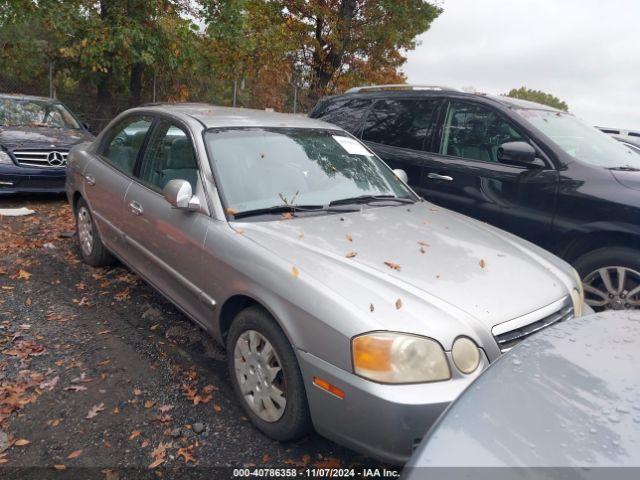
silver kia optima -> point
(346, 303)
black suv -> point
(527, 168)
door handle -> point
(437, 176)
(136, 208)
(90, 180)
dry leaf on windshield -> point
(392, 265)
(295, 272)
(351, 254)
(95, 410)
(287, 216)
(398, 304)
(231, 211)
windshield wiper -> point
(625, 168)
(372, 198)
(289, 209)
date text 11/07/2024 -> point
(316, 473)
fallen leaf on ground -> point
(134, 434)
(23, 275)
(186, 455)
(22, 442)
(217, 407)
(60, 466)
(95, 410)
(149, 404)
(137, 392)
(76, 388)
(165, 408)
(392, 265)
(75, 454)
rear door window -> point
(344, 112)
(407, 123)
(475, 132)
(124, 141)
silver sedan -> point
(347, 304)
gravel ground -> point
(98, 370)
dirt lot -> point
(98, 370)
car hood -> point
(628, 179)
(16, 138)
(416, 253)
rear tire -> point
(611, 278)
(261, 373)
(92, 249)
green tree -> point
(538, 96)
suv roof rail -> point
(400, 87)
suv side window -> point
(169, 155)
(475, 132)
(403, 123)
(344, 112)
(124, 141)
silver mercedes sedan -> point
(347, 304)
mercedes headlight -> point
(5, 158)
(577, 295)
(389, 357)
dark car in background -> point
(561, 399)
(36, 134)
(629, 138)
(529, 169)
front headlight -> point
(577, 295)
(389, 357)
(5, 158)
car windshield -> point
(261, 168)
(18, 112)
(582, 141)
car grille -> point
(42, 158)
(510, 333)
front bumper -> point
(15, 179)
(383, 421)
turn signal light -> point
(327, 387)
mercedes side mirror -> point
(179, 194)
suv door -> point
(108, 176)
(466, 175)
(165, 242)
(397, 130)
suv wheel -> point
(265, 376)
(92, 249)
(611, 278)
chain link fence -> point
(82, 97)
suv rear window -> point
(344, 112)
(403, 123)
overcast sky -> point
(586, 52)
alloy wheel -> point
(85, 230)
(612, 288)
(260, 376)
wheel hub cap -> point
(612, 288)
(85, 231)
(259, 373)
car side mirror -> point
(518, 153)
(401, 174)
(179, 194)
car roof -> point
(19, 96)
(386, 91)
(555, 400)
(212, 116)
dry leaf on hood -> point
(398, 304)
(295, 272)
(371, 307)
(482, 263)
(392, 265)
(231, 211)
(287, 216)
(351, 254)
(349, 237)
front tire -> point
(92, 249)
(265, 376)
(611, 278)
